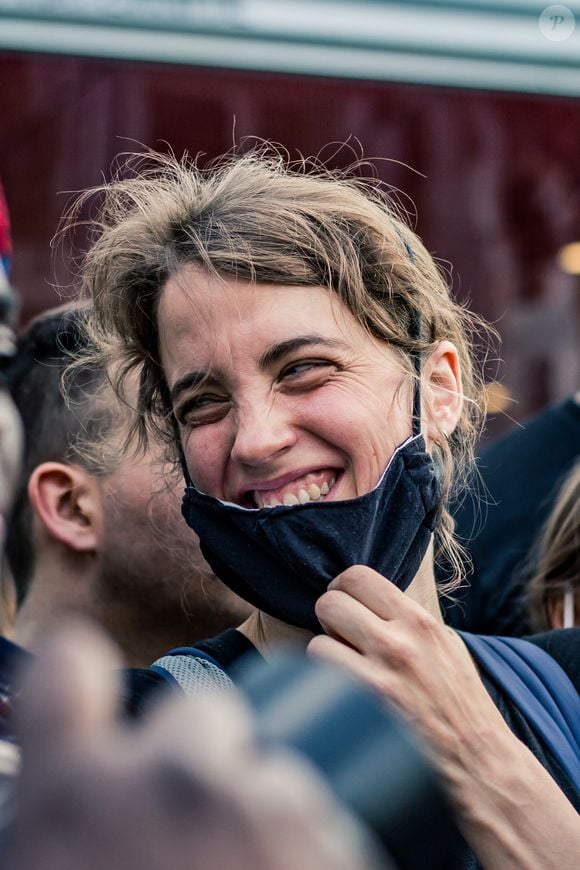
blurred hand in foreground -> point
(188, 788)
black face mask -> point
(282, 559)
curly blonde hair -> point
(261, 218)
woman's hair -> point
(557, 554)
(261, 218)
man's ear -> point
(67, 501)
(442, 375)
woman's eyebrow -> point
(191, 380)
(278, 351)
(270, 357)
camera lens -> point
(371, 761)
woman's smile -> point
(292, 488)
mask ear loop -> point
(415, 330)
(415, 334)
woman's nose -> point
(263, 431)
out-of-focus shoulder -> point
(564, 646)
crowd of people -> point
(273, 347)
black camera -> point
(371, 761)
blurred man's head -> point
(10, 426)
(96, 525)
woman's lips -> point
(292, 489)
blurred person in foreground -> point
(9, 423)
(11, 435)
(11, 443)
(98, 532)
(189, 789)
(300, 349)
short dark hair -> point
(54, 427)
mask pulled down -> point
(282, 559)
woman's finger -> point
(385, 682)
(344, 657)
(377, 593)
(346, 619)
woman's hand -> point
(413, 661)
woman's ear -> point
(67, 501)
(444, 391)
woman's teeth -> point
(311, 492)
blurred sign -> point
(510, 45)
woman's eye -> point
(201, 410)
(308, 371)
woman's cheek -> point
(206, 454)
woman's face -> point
(279, 393)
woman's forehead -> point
(198, 307)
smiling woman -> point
(302, 355)
(311, 240)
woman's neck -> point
(423, 588)
(269, 634)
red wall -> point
(494, 178)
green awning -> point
(520, 46)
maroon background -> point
(496, 187)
